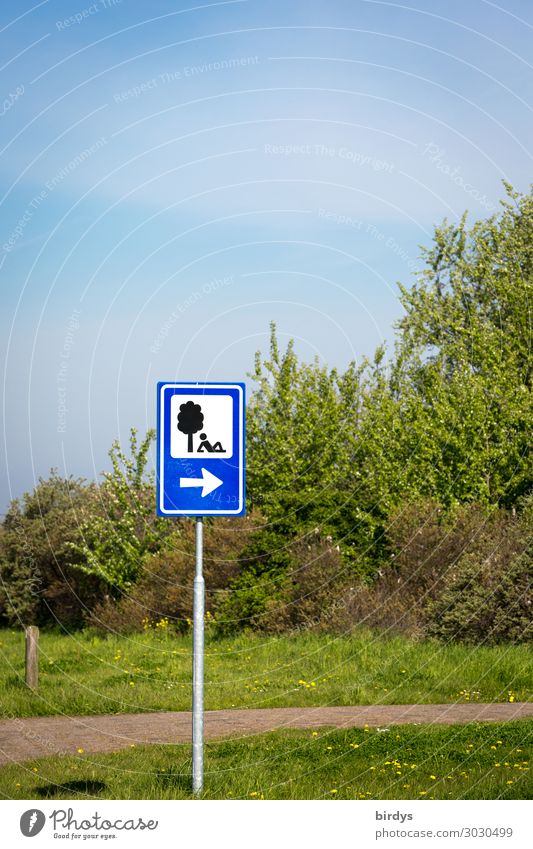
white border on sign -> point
(162, 448)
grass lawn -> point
(477, 761)
(84, 674)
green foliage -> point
(294, 420)
(123, 528)
(300, 436)
(489, 598)
(487, 603)
(38, 583)
(446, 419)
(462, 574)
(246, 602)
(464, 358)
(471, 302)
(303, 444)
(163, 591)
(19, 599)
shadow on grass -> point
(86, 787)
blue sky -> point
(177, 175)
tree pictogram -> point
(190, 421)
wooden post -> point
(32, 656)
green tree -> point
(454, 419)
(38, 583)
(300, 428)
(302, 423)
(466, 341)
(124, 527)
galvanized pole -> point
(198, 666)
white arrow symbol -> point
(208, 481)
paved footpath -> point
(37, 737)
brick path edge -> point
(37, 737)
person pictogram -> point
(205, 445)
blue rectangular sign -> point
(200, 449)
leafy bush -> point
(460, 575)
(123, 526)
(488, 595)
(164, 588)
(303, 441)
(486, 603)
(309, 577)
(69, 545)
(38, 582)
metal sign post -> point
(200, 472)
(198, 665)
